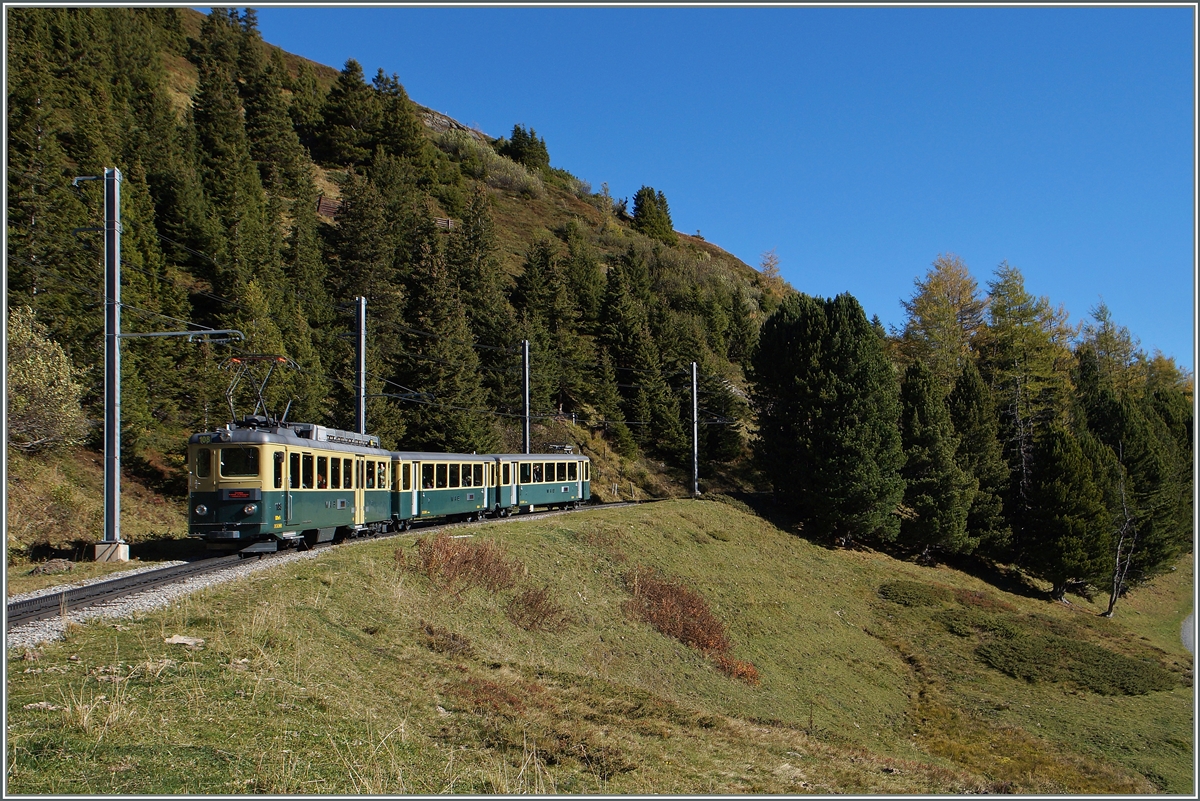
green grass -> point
(353, 673)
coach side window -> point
(478, 471)
(335, 473)
(587, 471)
(322, 472)
(426, 476)
(294, 471)
(505, 474)
(526, 476)
(441, 476)
(572, 471)
(453, 475)
(406, 475)
(370, 475)
(278, 469)
(347, 474)
(537, 472)
(306, 480)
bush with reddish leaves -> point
(678, 611)
(458, 565)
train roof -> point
(541, 457)
(259, 430)
(418, 456)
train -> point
(258, 485)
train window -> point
(426, 476)
(203, 463)
(466, 475)
(562, 471)
(453, 475)
(294, 471)
(572, 471)
(322, 472)
(370, 475)
(406, 475)
(239, 461)
(440, 483)
(347, 474)
(537, 472)
(278, 469)
(505, 474)
(525, 475)
(587, 471)
(478, 471)
(549, 471)
(306, 474)
(335, 473)
(382, 472)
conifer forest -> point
(265, 193)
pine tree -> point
(827, 406)
(1068, 544)
(351, 119)
(973, 415)
(527, 148)
(938, 492)
(607, 401)
(306, 105)
(401, 131)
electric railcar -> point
(257, 485)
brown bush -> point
(737, 668)
(484, 697)
(676, 611)
(533, 609)
(458, 565)
(981, 600)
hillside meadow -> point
(512, 657)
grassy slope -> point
(319, 678)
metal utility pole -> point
(360, 376)
(112, 362)
(695, 437)
(525, 395)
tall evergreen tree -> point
(351, 118)
(526, 147)
(973, 415)
(828, 407)
(938, 492)
(1068, 542)
(652, 215)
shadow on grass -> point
(157, 549)
(1007, 579)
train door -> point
(360, 497)
(293, 485)
(512, 490)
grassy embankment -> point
(356, 672)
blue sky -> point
(858, 143)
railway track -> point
(60, 604)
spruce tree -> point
(827, 406)
(351, 119)
(1068, 542)
(973, 415)
(938, 492)
(652, 215)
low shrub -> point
(458, 564)
(680, 612)
(912, 593)
(966, 622)
(1049, 658)
(676, 611)
(981, 600)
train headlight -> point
(201, 510)
(249, 508)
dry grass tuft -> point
(443, 641)
(534, 610)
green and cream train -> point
(257, 486)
